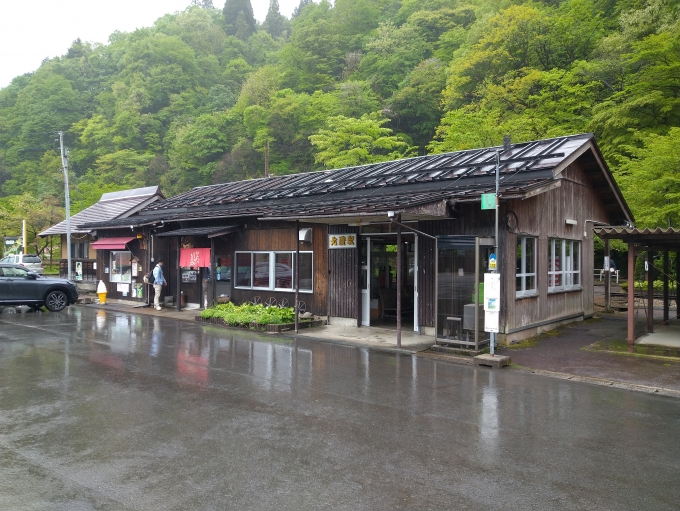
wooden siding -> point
(343, 269)
(281, 236)
(544, 216)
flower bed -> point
(256, 317)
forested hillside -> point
(203, 95)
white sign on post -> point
(492, 301)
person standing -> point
(158, 283)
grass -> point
(532, 342)
(620, 346)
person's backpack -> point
(149, 278)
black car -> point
(19, 286)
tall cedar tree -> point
(238, 18)
(275, 24)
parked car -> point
(20, 286)
(30, 261)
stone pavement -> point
(562, 351)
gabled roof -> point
(421, 184)
(111, 206)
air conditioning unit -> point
(305, 235)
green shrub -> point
(247, 314)
(642, 286)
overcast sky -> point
(31, 30)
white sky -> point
(31, 30)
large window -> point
(564, 265)
(121, 267)
(525, 272)
(274, 271)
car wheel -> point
(56, 301)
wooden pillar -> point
(178, 300)
(213, 271)
(607, 278)
(297, 276)
(631, 292)
(360, 305)
(650, 290)
(677, 283)
(399, 280)
(665, 285)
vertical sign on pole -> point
(492, 301)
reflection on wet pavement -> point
(102, 410)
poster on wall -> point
(79, 270)
(134, 268)
(123, 288)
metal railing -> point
(601, 274)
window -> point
(79, 249)
(121, 267)
(525, 272)
(274, 271)
(564, 265)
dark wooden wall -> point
(343, 268)
(281, 236)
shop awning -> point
(112, 243)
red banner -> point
(194, 257)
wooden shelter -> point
(649, 241)
(402, 242)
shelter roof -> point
(655, 238)
(112, 205)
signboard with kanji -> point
(342, 241)
(488, 201)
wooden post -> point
(665, 286)
(213, 271)
(631, 292)
(360, 305)
(650, 290)
(399, 250)
(607, 278)
(297, 276)
(677, 283)
(178, 303)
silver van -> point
(29, 261)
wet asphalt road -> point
(111, 411)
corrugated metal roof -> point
(380, 187)
(198, 231)
(658, 238)
(447, 171)
(111, 206)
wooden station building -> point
(403, 241)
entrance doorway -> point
(379, 280)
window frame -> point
(120, 277)
(272, 270)
(566, 272)
(524, 292)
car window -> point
(31, 259)
(15, 272)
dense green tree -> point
(650, 179)
(349, 142)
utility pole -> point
(67, 201)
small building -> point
(86, 251)
(403, 243)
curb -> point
(602, 382)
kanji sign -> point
(342, 241)
(488, 201)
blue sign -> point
(492, 262)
